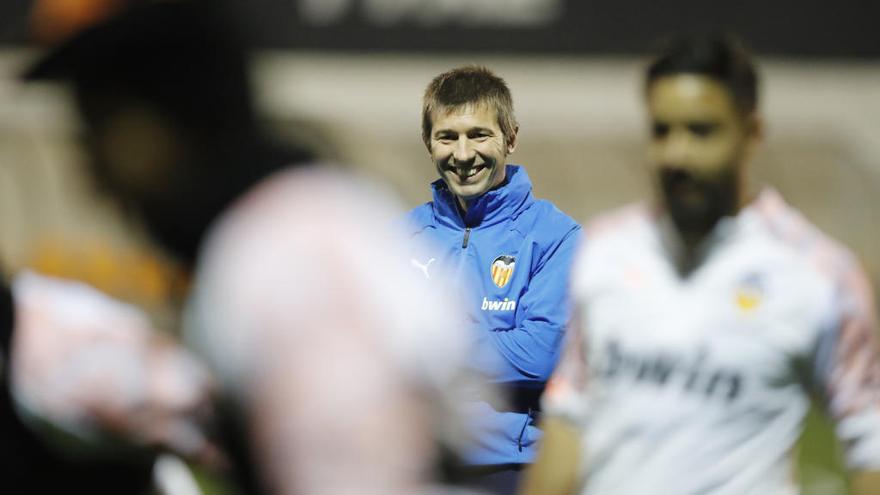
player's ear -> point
(511, 140)
(426, 138)
(754, 128)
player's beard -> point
(178, 214)
(696, 204)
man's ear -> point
(756, 126)
(511, 142)
(754, 133)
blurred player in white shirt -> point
(707, 319)
(340, 353)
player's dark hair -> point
(186, 61)
(181, 58)
(468, 85)
(718, 56)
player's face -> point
(699, 145)
(138, 156)
(135, 150)
(469, 150)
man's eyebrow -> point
(442, 130)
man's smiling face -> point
(469, 150)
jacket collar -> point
(495, 206)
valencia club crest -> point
(502, 269)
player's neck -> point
(692, 250)
(689, 244)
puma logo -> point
(423, 268)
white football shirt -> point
(308, 309)
(700, 384)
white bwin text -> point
(505, 305)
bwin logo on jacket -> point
(502, 269)
(505, 305)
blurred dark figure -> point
(334, 357)
(709, 317)
(171, 130)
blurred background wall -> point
(346, 76)
(582, 138)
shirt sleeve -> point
(565, 395)
(530, 351)
(847, 370)
(91, 368)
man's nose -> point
(464, 151)
(677, 149)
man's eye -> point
(479, 134)
(445, 138)
(702, 129)
(659, 130)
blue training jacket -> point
(511, 255)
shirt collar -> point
(727, 229)
(497, 205)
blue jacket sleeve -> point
(529, 351)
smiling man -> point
(706, 320)
(510, 254)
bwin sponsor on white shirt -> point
(505, 305)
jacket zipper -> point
(467, 235)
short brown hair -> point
(468, 85)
